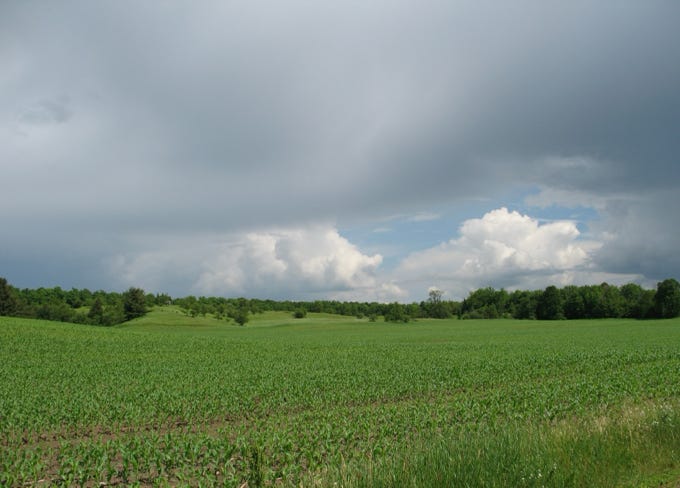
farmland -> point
(172, 400)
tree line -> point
(552, 303)
(576, 302)
(77, 306)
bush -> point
(300, 313)
(396, 313)
(240, 316)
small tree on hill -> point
(96, 313)
(134, 303)
(300, 313)
(241, 316)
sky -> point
(338, 150)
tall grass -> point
(636, 448)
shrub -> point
(300, 313)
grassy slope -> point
(171, 318)
(377, 390)
(579, 333)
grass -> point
(631, 450)
(169, 399)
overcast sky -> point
(342, 150)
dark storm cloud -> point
(180, 117)
(595, 82)
(641, 236)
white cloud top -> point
(277, 263)
(502, 248)
(304, 259)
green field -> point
(337, 401)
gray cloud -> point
(641, 236)
(46, 112)
(119, 119)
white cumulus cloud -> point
(299, 260)
(304, 262)
(502, 248)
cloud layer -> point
(126, 126)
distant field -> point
(172, 400)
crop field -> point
(168, 400)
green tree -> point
(240, 316)
(8, 299)
(549, 305)
(592, 302)
(612, 301)
(487, 303)
(96, 313)
(134, 303)
(59, 311)
(163, 299)
(113, 314)
(574, 307)
(523, 304)
(299, 313)
(435, 307)
(638, 303)
(396, 312)
(667, 299)
(74, 298)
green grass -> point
(637, 447)
(172, 399)
(172, 319)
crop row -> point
(83, 406)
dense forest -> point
(570, 302)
